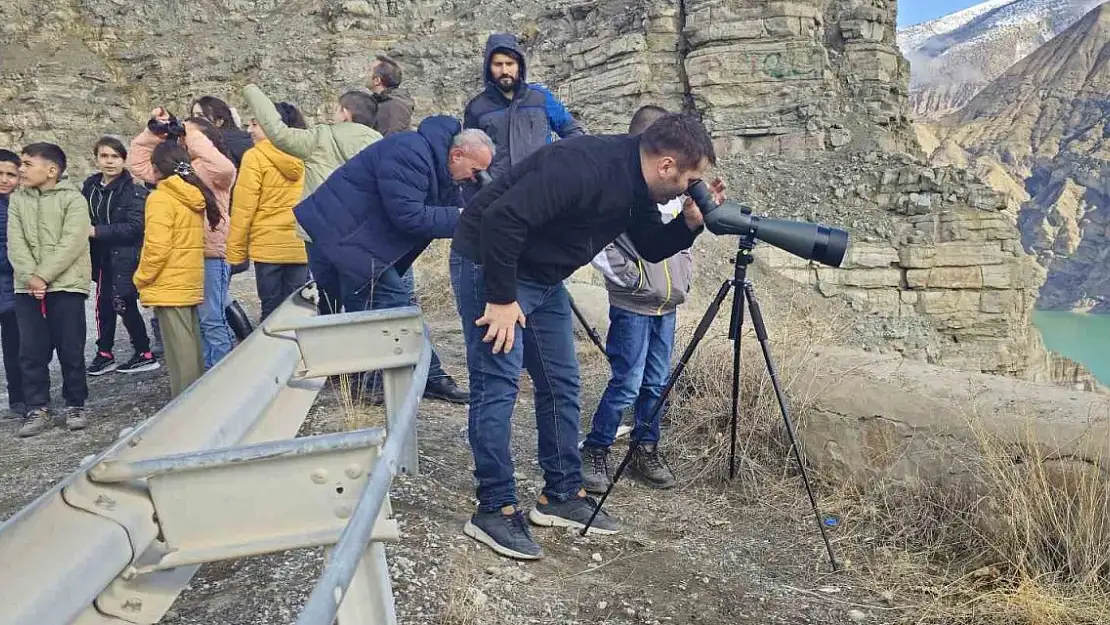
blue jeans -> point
(546, 349)
(214, 332)
(639, 349)
(389, 291)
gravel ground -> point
(697, 554)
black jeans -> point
(276, 282)
(61, 329)
(9, 337)
(107, 307)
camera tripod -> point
(743, 292)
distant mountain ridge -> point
(953, 57)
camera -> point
(811, 241)
(170, 128)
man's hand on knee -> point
(501, 320)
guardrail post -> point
(369, 598)
(396, 384)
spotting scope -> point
(824, 244)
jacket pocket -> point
(682, 276)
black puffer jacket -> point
(117, 213)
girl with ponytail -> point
(217, 172)
(170, 277)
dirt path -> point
(691, 555)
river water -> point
(1083, 338)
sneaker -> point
(16, 411)
(573, 513)
(596, 476)
(505, 532)
(447, 390)
(37, 421)
(140, 362)
(101, 364)
(648, 465)
(75, 417)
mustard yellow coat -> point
(262, 224)
(171, 266)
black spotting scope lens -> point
(824, 244)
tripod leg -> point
(734, 333)
(595, 338)
(761, 334)
(656, 409)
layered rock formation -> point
(1045, 122)
(955, 56)
(776, 76)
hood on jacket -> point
(183, 192)
(439, 131)
(291, 167)
(65, 184)
(349, 138)
(505, 42)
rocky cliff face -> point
(1045, 122)
(768, 76)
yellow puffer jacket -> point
(262, 224)
(171, 267)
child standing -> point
(48, 246)
(170, 276)
(9, 329)
(116, 210)
(217, 173)
(262, 224)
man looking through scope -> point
(517, 240)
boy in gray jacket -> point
(643, 297)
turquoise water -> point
(1083, 338)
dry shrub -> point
(432, 275)
(354, 403)
(1022, 539)
(465, 600)
(699, 438)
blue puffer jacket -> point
(384, 206)
(7, 281)
(524, 124)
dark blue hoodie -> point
(524, 124)
(7, 281)
(384, 206)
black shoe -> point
(573, 513)
(447, 390)
(140, 362)
(506, 534)
(596, 476)
(101, 364)
(648, 465)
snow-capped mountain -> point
(955, 56)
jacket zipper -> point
(666, 272)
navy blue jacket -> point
(384, 206)
(118, 213)
(7, 281)
(522, 125)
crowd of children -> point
(162, 225)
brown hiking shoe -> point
(650, 467)
(37, 421)
(75, 417)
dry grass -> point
(1024, 539)
(433, 278)
(699, 438)
(465, 601)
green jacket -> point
(48, 237)
(323, 148)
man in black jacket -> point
(516, 242)
(116, 210)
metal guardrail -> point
(217, 474)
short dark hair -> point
(290, 116)
(388, 70)
(644, 117)
(110, 142)
(216, 110)
(48, 152)
(7, 156)
(362, 107)
(682, 136)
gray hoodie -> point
(641, 287)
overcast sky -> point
(917, 11)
